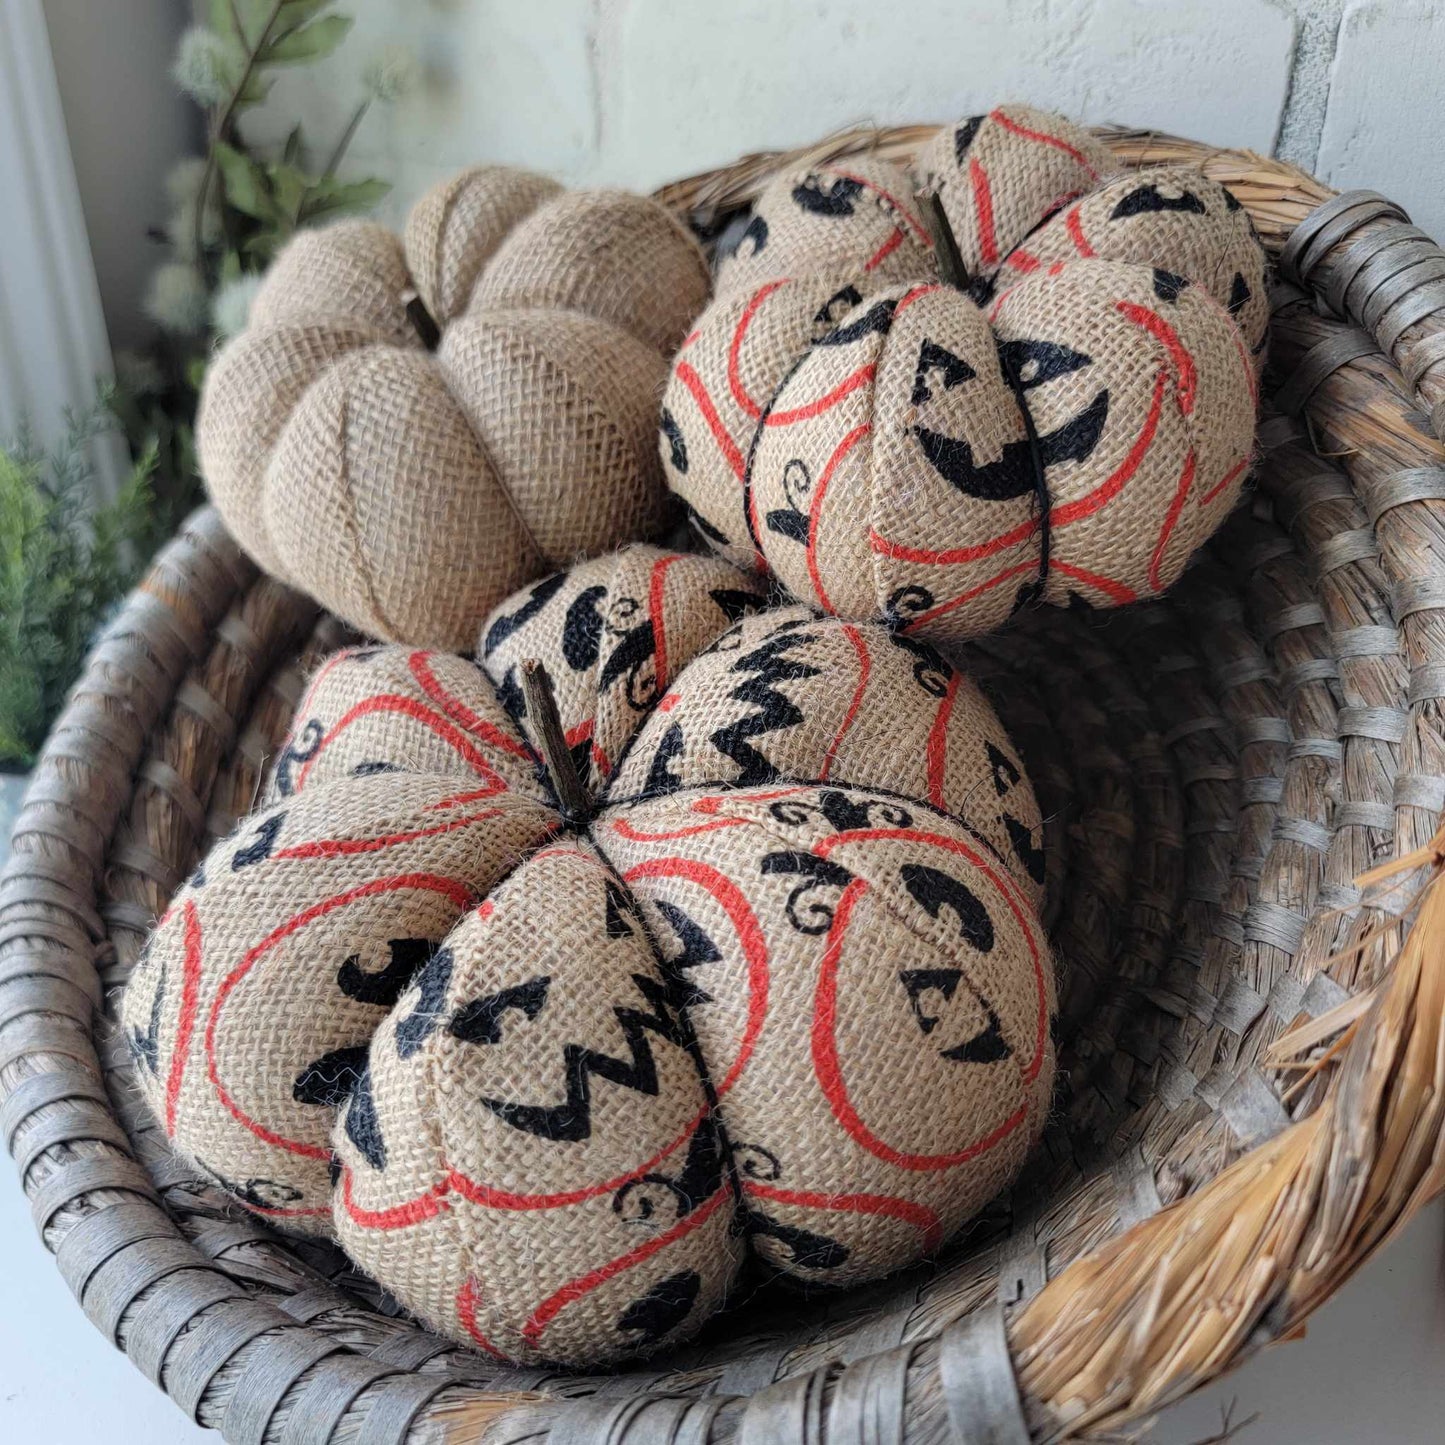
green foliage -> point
(263, 199)
(235, 207)
(64, 562)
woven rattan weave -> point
(1250, 1039)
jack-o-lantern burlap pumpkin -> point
(410, 484)
(780, 985)
(1071, 427)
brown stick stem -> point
(551, 743)
(945, 245)
(422, 321)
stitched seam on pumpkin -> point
(443, 303)
(353, 528)
(595, 411)
(699, 1059)
(543, 558)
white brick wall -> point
(638, 91)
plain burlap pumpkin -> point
(410, 487)
(783, 989)
(940, 499)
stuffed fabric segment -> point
(382, 708)
(531, 1162)
(1002, 174)
(1173, 217)
(839, 219)
(777, 987)
(729, 366)
(250, 1011)
(410, 471)
(788, 695)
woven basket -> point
(1251, 1046)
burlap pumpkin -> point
(409, 489)
(786, 990)
(935, 472)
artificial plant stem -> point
(545, 725)
(347, 136)
(223, 121)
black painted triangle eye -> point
(938, 366)
(1239, 295)
(963, 136)
(875, 319)
(919, 983)
(1034, 363)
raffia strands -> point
(1214, 772)
(1277, 1232)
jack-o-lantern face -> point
(778, 986)
(935, 467)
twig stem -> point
(221, 122)
(545, 725)
(950, 261)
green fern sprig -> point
(65, 561)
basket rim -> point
(1320, 1223)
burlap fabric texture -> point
(1069, 430)
(785, 993)
(411, 482)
